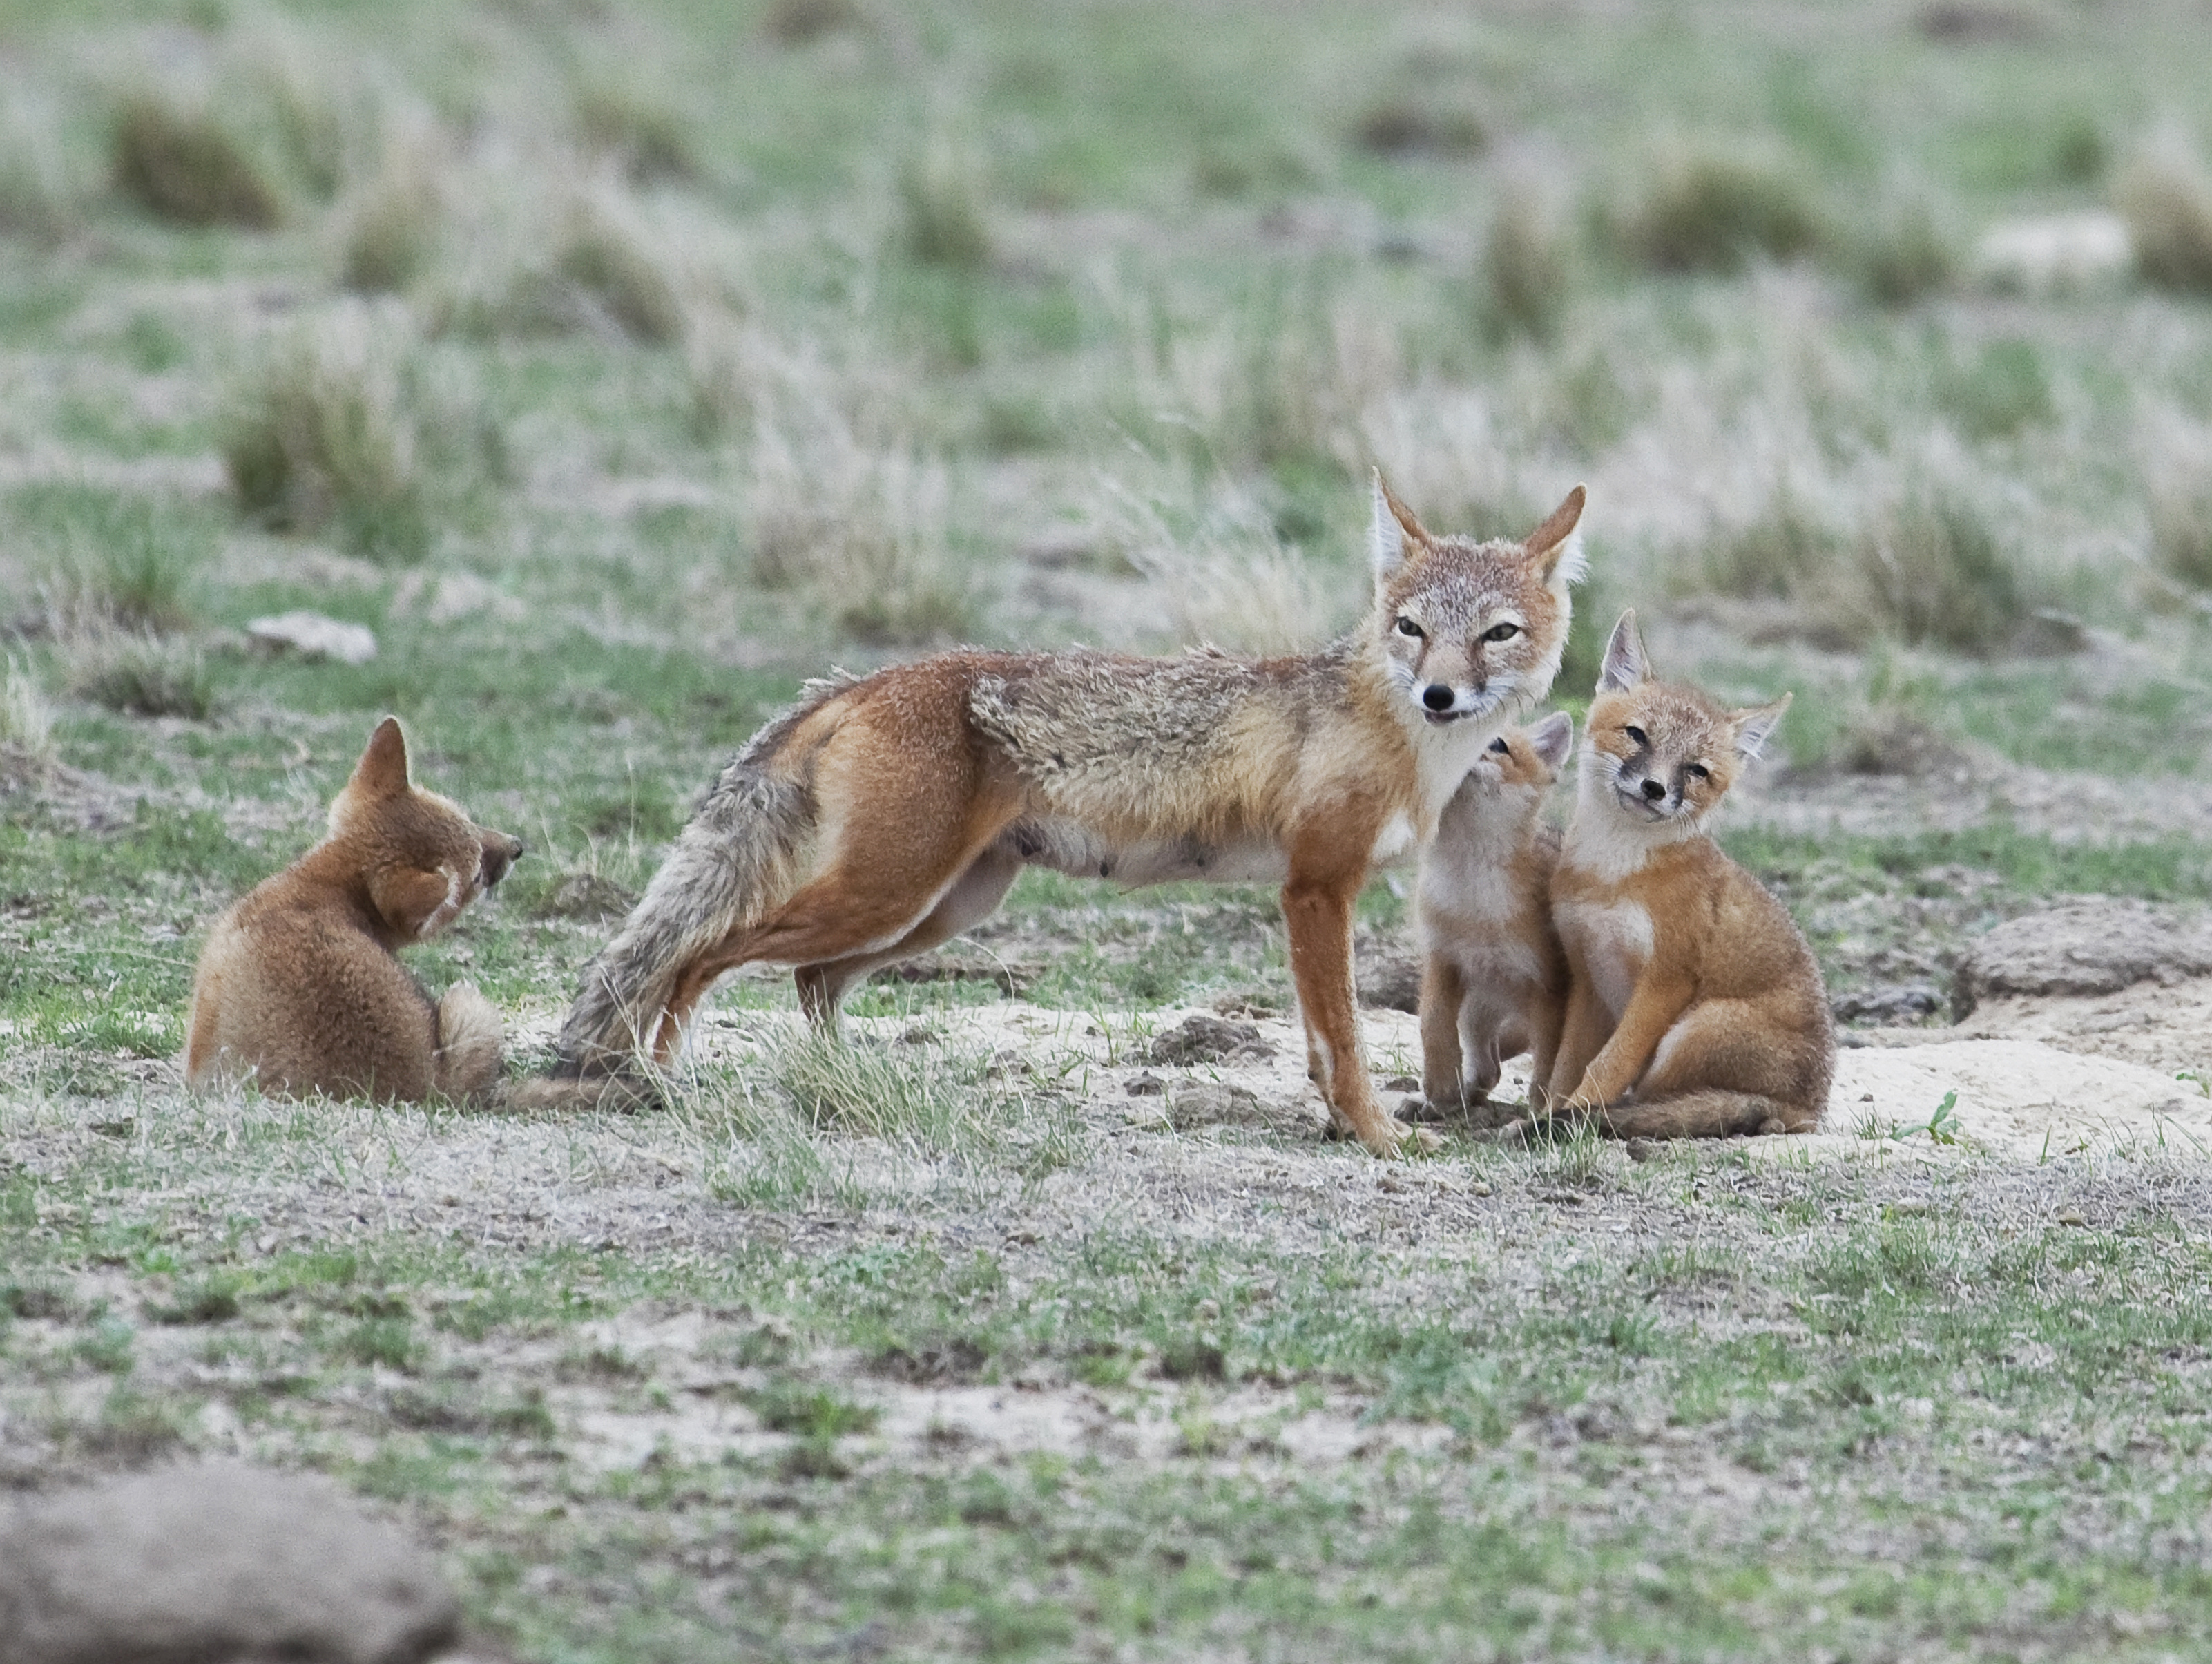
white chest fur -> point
(1611, 941)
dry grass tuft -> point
(1935, 573)
(139, 674)
(1434, 122)
(1785, 554)
(2177, 469)
(1908, 251)
(1228, 581)
(943, 219)
(27, 721)
(614, 263)
(1527, 264)
(628, 123)
(108, 560)
(179, 157)
(2166, 196)
(384, 232)
(328, 431)
(1712, 207)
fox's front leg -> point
(1319, 914)
(1443, 990)
(1582, 1037)
(1652, 1010)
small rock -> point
(1641, 1149)
(1203, 1039)
(2071, 1217)
(1401, 1083)
(2053, 253)
(316, 635)
(216, 1562)
(587, 896)
(1894, 1005)
(1213, 1103)
(1146, 1085)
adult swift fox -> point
(878, 817)
(1493, 975)
(1695, 1009)
(297, 984)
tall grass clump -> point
(1413, 121)
(624, 121)
(802, 22)
(139, 674)
(329, 432)
(1714, 207)
(616, 263)
(2165, 196)
(943, 220)
(384, 232)
(27, 721)
(111, 559)
(181, 155)
(1785, 554)
(1528, 265)
(1908, 252)
(2179, 487)
(1935, 573)
(860, 532)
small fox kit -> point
(1695, 1009)
(878, 818)
(1494, 977)
(298, 986)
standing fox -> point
(1695, 1010)
(1493, 976)
(297, 984)
(880, 817)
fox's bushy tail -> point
(1709, 1114)
(738, 860)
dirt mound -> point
(1204, 1039)
(2084, 947)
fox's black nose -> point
(1437, 696)
(1654, 790)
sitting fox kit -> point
(1493, 975)
(298, 986)
(1695, 1009)
(880, 817)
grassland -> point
(621, 367)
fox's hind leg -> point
(974, 897)
(865, 903)
(1714, 1076)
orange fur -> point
(298, 986)
(880, 817)
(1695, 1009)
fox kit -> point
(1695, 1009)
(1494, 977)
(298, 986)
(880, 817)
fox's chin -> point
(1639, 807)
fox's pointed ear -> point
(382, 770)
(1392, 524)
(1554, 544)
(1623, 664)
(1551, 737)
(1754, 728)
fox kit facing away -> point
(1493, 975)
(298, 986)
(878, 818)
(1695, 1009)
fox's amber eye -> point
(1698, 771)
(1408, 627)
(1501, 632)
(1499, 746)
(1637, 734)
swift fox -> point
(878, 817)
(1695, 1009)
(297, 984)
(1493, 976)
